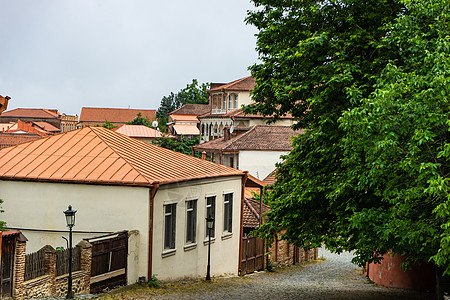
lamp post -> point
(210, 226)
(70, 219)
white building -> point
(256, 149)
(118, 183)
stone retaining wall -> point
(49, 285)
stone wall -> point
(49, 285)
(282, 253)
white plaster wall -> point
(281, 122)
(192, 263)
(259, 163)
(244, 99)
(40, 206)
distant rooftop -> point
(192, 109)
(38, 113)
(98, 155)
(94, 115)
(258, 137)
(243, 84)
(138, 131)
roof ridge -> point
(114, 150)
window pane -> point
(191, 220)
(228, 213)
(169, 226)
(211, 211)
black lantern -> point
(70, 219)
(70, 216)
(209, 226)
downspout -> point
(221, 157)
(244, 180)
(260, 204)
(153, 191)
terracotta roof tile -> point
(251, 212)
(94, 115)
(192, 109)
(38, 113)
(270, 179)
(138, 131)
(184, 118)
(243, 84)
(239, 114)
(100, 156)
(12, 139)
(258, 137)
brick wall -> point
(49, 285)
(282, 253)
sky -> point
(67, 54)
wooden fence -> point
(35, 264)
(62, 261)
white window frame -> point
(172, 218)
(191, 225)
(227, 213)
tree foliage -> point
(139, 120)
(183, 146)
(368, 82)
(193, 93)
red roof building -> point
(91, 116)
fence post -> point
(50, 266)
(19, 268)
(86, 261)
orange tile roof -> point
(47, 127)
(38, 113)
(192, 109)
(186, 129)
(12, 139)
(94, 115)
(243, 84)
(258, 137)
(97, 155)
(184, 118)
(251, 211)
(28, 127)
(138, 131)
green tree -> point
(193, 93)
(139, 120)
(371, 171)
(398, 143)
(183, 146)
(107, 124)
(2, 223)
(314, 55)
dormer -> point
(224, 98)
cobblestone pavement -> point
(334, 278)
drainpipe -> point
(244, 180)
(221, 157)
(260, 204)
(150, 238)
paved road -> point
(334, 278)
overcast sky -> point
(66, 54)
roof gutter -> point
(244, 180)
(153, 191)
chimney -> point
(203, 155)
(226, 133)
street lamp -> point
(70, 219)
(209, 226)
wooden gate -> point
(7, 265)
(109, 261)
(252, 255)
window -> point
(228, 212)
(169, 226)
(191, 221)
(232, 162)
(211, 212)
(232, 101)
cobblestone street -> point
(334, 278)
